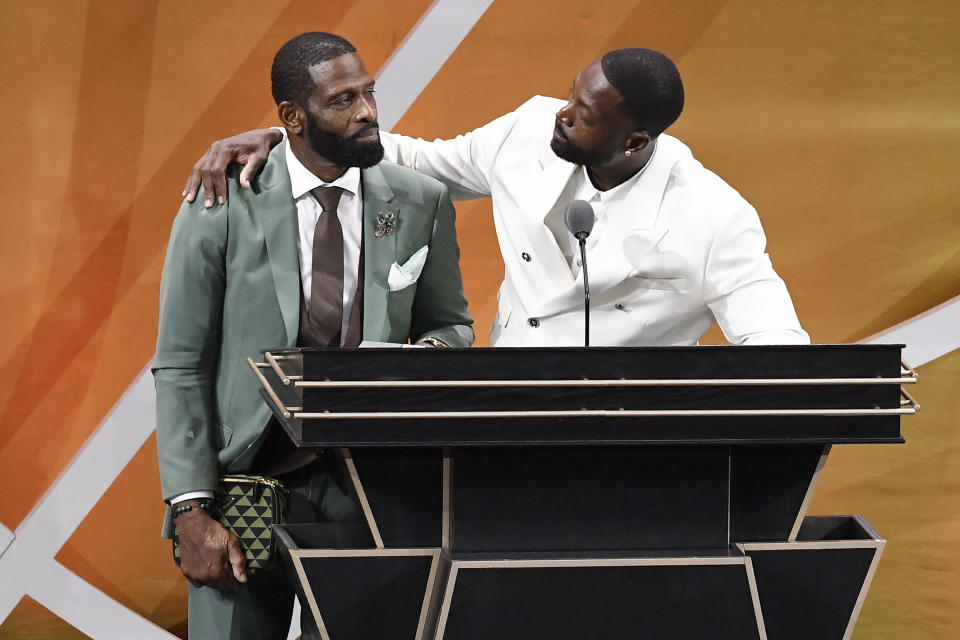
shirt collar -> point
(589, 192)
(302, 181)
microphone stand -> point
(582, 237)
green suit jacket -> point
(231, 287)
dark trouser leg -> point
(261, 609)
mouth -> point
(558, 135)
(368, 135)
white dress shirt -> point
(605, 205)
(350, 213)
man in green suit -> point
(329, 248)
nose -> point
(565, 115)
(367, 110)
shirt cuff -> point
(192, 495)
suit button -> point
(618, 307)
(525, 256)
(533, 322)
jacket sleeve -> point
(744, 293)
(464, 164)
(440, 308)
(188, 348)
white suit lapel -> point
(551, 274)
(630, 228)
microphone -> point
(578, 218)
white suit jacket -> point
(685, 250)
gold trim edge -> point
(599, 413)
(672, 382)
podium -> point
(651, 492)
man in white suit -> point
(673, 247)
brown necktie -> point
(325, 313)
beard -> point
(344, 151)
(566, 150)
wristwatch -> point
(433, 342)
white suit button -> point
(533, 322)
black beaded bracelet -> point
(206, 505)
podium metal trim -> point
(362, 497)
(808, 496)
(669, 382)
(590, 413)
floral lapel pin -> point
(387, 223)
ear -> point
(637, 141)
(292, 117)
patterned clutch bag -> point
(247, 506)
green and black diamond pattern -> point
(249, 519)
(247, 506)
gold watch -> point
(433, 342)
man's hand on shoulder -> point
(210, 555)
(249, 148)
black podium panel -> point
(694, 362)
(360, 593)
(510, 601)
(595, 431)
(574, 397)
(813, 588)
(404, 487)
(372, 597)
(557, 499)
(410, 432)
(767, 487)
(568, 396)
(554, 493)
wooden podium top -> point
(589, 396)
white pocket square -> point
(403, 277)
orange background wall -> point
(837, 120)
